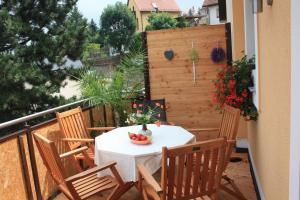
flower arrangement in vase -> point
(232, 88)
(143, 115)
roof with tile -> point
(208, 3)
(162, 5)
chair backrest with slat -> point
(228, 129)
(51, 158)
(72, 125)
(184, 178)
(229, 123)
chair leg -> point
(145, 197)
(235, 192)
(120, 190)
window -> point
(251, 46)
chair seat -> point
(92, 184)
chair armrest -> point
(231, 141)
(101, 128)
(202, 129)
(90, 171)
(73, 152)
(149, 178)
(78, 140)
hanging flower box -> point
(232, 88)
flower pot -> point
(145, 131)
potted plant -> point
(232, 87)
(143, 115)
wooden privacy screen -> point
(188, 102)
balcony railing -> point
(35, 182)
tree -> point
(93, 33)
(182, 22)
(118, 24)
(191, 11)
(36, 40)
(159, 21)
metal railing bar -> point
(12, 135)
(24, 167)
(33, 163)
(22, 131)
(39, 114)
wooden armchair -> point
(228, 128)
(181, 178)
(76, 133)
(84, 184)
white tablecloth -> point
(116, 145)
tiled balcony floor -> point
(239, 171)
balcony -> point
(23, 175)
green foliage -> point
(90, 51)
(112, 90)
(116, 89)
(118, 24)
(182, 22)
(36, 37)
(158, 21)
(93, 33)
(132, 65)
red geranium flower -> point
(245, 93)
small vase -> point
(145, 131)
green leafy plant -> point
(118, 88)
(232, 87)
(118, 24)
(194, 55)
(158, 21)
(144, 114)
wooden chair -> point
(228, 128)
(84, 184)
(72, 125)
(183, 179)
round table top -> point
(117, 140)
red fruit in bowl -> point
(144, 138)
(134, 138)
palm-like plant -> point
(118, 88)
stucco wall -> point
(269, 136)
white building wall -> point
(213, 13)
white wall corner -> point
(294, 178)
(242, 143)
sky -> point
(91, 9)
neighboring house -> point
(272, 35)
(142, 8)
(211, 8)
